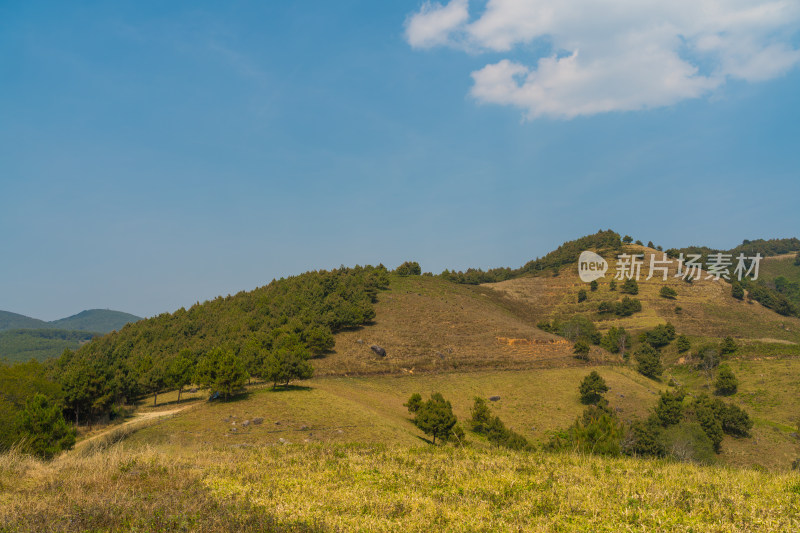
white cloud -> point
(613, 55)
(434, 23)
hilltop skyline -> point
(155, 156)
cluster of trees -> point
(769, 297)
(265, 331)
(648, 355)
(625, 307)
(31, 411)
(409, 268)
(272, 332)
(567, 253)
(682, 427)
(749, 248)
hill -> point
(23, 338)
(10, 320)
(40, 344)
(100, 320)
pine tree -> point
(592, 388)
(726, 382)
(42, 427)
(435, 417)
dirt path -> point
(138, 418)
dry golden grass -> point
(377, 488)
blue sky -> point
(157, 154)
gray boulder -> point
(378, 350)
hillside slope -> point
(703, 309)
(428, 324)
(10, 320)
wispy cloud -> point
(613, 55)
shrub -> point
(648, 361)
(577, 327)
(737, 291)
(683, 344)
(592, 388)
(644, 439)
(598, 431)
(615, 340)
(797, 259)
(728, 346)
(612, 285)
(659, 336)
(581, 295)
(627, 307)
(581, 350)
(735, 421)
(630, 286)
(668, 292)
(688, 441)
(593, 285)
(726, 382)
(483, 423)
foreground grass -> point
(329, 487)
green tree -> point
(737, 291)
(42, 428)
(735, 421)
(683, 344)
(593, 285)
(612, 285)
(643, 438)
(630, 286)
(222, 371)
(616, 340)
(707, 413)
(581, 295)
(319, 340)
(435, 417)
(797, 259)
(283, 365)
(627, 239)
(581, 350)
(598, 432)
(409, 268)
(669, 410)
(627, 306)
(414, 403)
(648, 361)
(728, 346)
(592, 388)
(726, 382)
(181, 371)
(481, 416)
(668, 292)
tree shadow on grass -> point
(285, 388)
